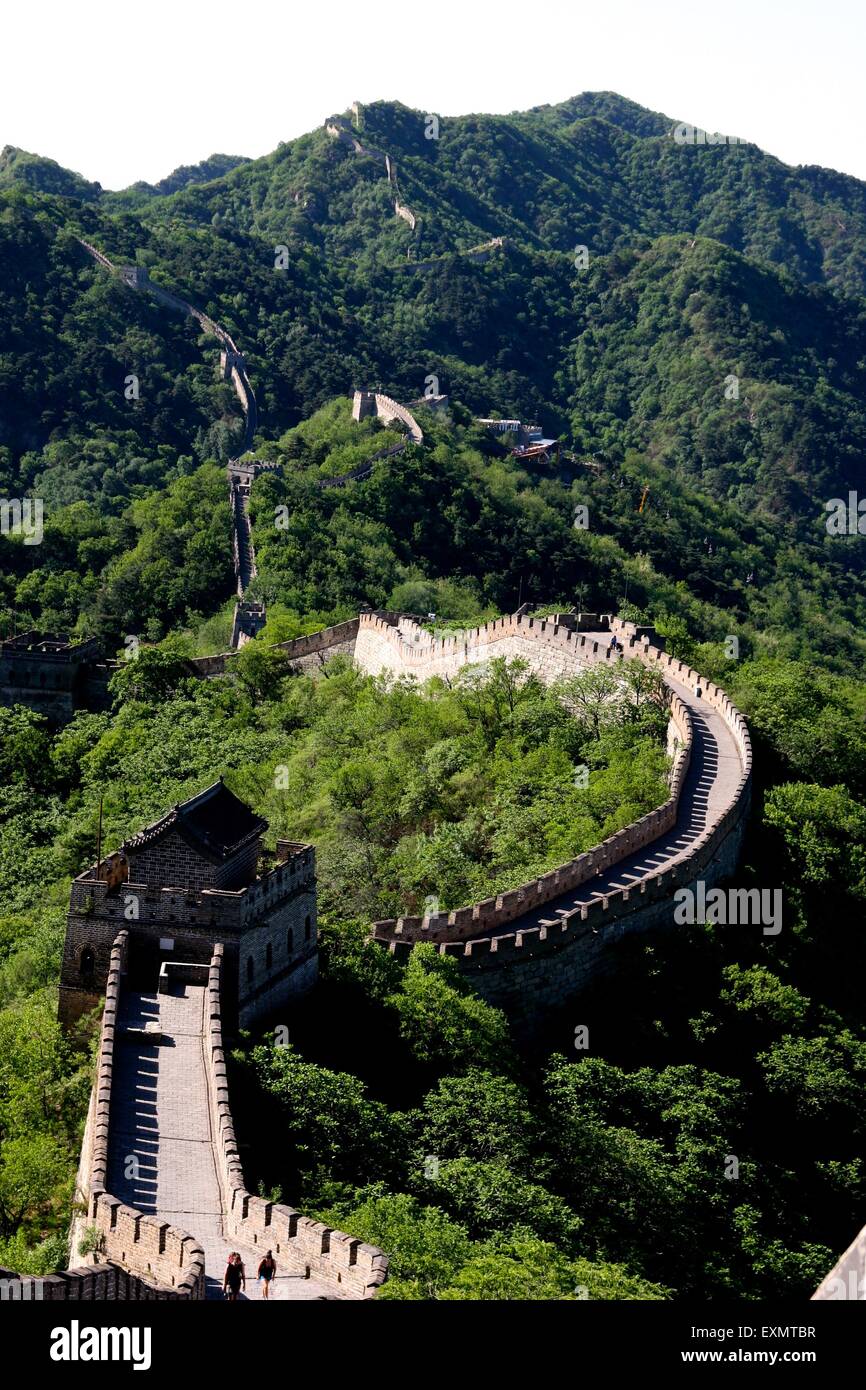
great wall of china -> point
(166, 1056)
(339, 129)
(529, 949)
(249, 615)
(248, 618)
(526, 950)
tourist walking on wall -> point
(267, 1270)
(234, 1278)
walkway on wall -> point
(246, 562)
(711, 783)
(161, 1151)
(247, 619)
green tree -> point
(442, 1021)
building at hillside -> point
(52, 674)
(528, 440)
(196, 876)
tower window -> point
(250, 968)
(307, 926)
(290, 941)
(88, 962)
(269, 955)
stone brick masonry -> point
(160, 1099)
(530, 949)
(305, 1246)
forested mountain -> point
(182, 177)
(710, 347)
(704, 364)
(589, 171)
(525, 332)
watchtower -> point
(229, 360)
(197, 876)
(135, 276)
(52, 674)
(364, 404)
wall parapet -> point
(229, 909)
(142, 1258)
(295, 650)
(306, 1246)
(564, 646)
(160, 1254)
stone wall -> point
(463, 923)
(142, 1257)
(170, 859)
(480, 254)
(52, 681)
(282, 897)
(86, 1283)
(529, 973)
(388, 409)
(156, 1251)
(555, 649)
(138, 278)
(365, 403)
(302, 652)
(299, 1243)
(338, 130)
(278, 954)
(552, 649)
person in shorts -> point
(267, 1270)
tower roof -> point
(215, 823)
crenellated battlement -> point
(410, 648)
(197, 873)
(142, 1257)
(367, 403)
(478, 933)
(303, 1245)
(463, 924)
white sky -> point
(121, 91)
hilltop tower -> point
(195, 877)
(363, 404)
